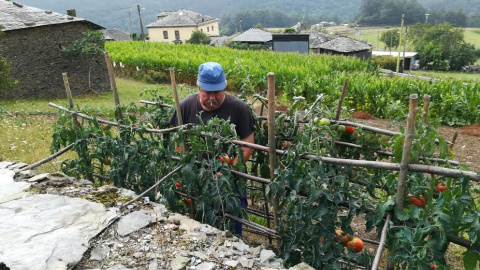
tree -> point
(389, 12)
(5, 69)
(442, 47)
(391, 38)
(198, 37)
(89, 47)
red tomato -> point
(188, 201)
(178, 184)
(441, 187)
(266, 101)
(433, 266)
(343, 237)
(356, 243)
(225, 159)
(349, 129)
(419, 202)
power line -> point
(104, 10)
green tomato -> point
(181, 203)
(316, 120)
(324, 121)
(341, 128)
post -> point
(426, 104)
(271, 138)
(67, 89)
(404, 48)
(453, 140)
(399, 44)
(113, 84)
(342, 96)
(381, 245)
(407, 148)
(141, 24)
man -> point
(212, 101)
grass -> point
(26, 124)
(466, 77)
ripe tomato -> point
(419, 202)
(188, 201)
(225, 159)
(357, 244)
(266, 101)
(349, 129)
(433, 266)
(79, 124)
(178, 184)
(441, 187)
(343, 237)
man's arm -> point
(247, 152)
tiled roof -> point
(117, 35)
(15, 16)
(317, 38)
(182, 17)
(254, 35)
(344, 45)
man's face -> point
(211, 100)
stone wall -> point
(38, 62)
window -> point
(165, 34)
(208, 28)
(201, 29)
(212, 28)
(177, 35)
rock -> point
(274, 263)
(240, 246)
(27, 174)
(179, 263)
(38, 178)
(5, 164)
(134, 221)
(247, 263)
(205, 266)
(99, 253)
(17, 166)
(231, 263)
(255, 251)
(266, 255)
(153, 265)
(205, 230)
(118, 267)
(126, 193)
(51, 232)
(9, 189)
(301, 266)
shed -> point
(291, 43)
(33, 44)
(116, 35)
(254, 36)
(344, 46)
(409, 57)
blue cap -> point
(211, 77)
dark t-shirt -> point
(232, 108)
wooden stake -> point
(67, 89)
(426, 104)
(45, 160)
(271, 138)
(454, 139)
(381, 245)
(113, 84)
(175, 96)
(342, 96)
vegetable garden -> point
(307, 166)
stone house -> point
(32, 42)
(254, 36)
(116, 35)
(327, 44)
(178, 26)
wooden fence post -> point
(426, 104)
(113, 84)
(67, 89)
(342, 96)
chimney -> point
(72, 12)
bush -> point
(388, 62)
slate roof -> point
(181, 17)
(219, 41)
(254, 35)
(117, 35)
(344, 45)
(317, 38)
(14, 16)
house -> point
(343, 46)
(254, 36)
(116, 35)
(317, 38)
(32, 42)
(410, 57)
(298, 43)
(299, 27)
(178, 26)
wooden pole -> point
(67, 89)
(175, 96)
(426, 104)
(45, 160)
(271, 138)
(454, 139)
(342, 96)
(381, 245)
(113, 84)
(407, 148)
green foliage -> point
(5, 69)
(199, 37)
(391, 38)
(308, 76)
(389, 12)
(290, 31)
(388, 62)
(442, 47)
(245, 46)
(89, 46)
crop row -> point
(453, 103)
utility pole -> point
(378, 39)
(400, 44)
(405, 47)
(241, 24)
(141, 24)
(130, 19)
(426, 17)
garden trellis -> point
(328, 176)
